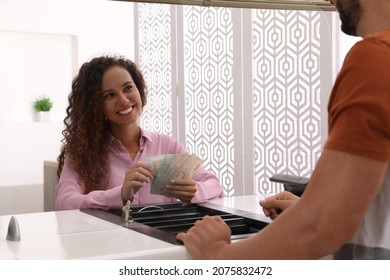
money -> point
(168, 167)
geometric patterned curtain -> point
(249, 106)
(155, 61)
(209, 106)
(286, 97)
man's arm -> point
(327, 215)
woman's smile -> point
(122, 102)
(125, 111)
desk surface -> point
(76, 235)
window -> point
(244, 89)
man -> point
(346, 206)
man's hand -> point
(274, 205)
(206, 238)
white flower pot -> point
(43, 116)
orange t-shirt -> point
(359, 123)
(359, 106)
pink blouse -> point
(70, 194)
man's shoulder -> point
(371, 55)
(378, 38)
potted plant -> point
(42, 106)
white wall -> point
(33, 65)
(342, 43)
(345, 43)
(42, 46)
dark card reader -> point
(294, 184)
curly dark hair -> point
(86, 128)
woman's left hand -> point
(183, 189)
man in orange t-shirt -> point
(345, 209)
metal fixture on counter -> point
(127, 213)
(13, 230)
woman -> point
(103, 158)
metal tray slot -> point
(165, 220)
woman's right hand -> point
(135, 177)
(274, 205)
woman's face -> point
(121, 100)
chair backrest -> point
(49, 184)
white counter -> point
(77, 235)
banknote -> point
(168, 167)
(157, 185)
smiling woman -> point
(122, 102)
(103, 160)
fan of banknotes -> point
(166, 168)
